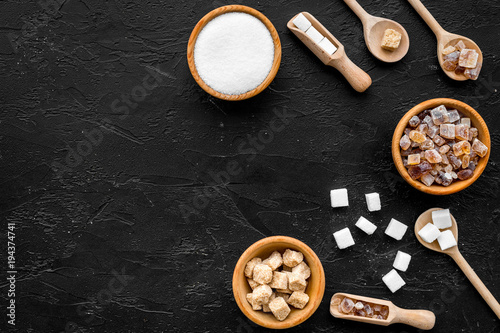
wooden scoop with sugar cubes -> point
(328, 49)
(377, 311)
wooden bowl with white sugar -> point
(234, 57)
(315, 288)
(476, 121)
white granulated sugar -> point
(234, 53)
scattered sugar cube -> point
(292, 258)
(396, 229)
(429, 233)
(339, 198)
(402, 261)
(343, 238)
(265, 307)
(441, 218)
(328, 46)
(302, 22)
(274, 261)
(251, 301)
(393, 281)
(366, 225)
(262, 274)
(279, 308)
(296, 282)
(373, 201)
(302, 269)
(279, 281)
(298, 299)
(315, 35)
(261, 294)
(446, 240)
(250, 266)
(252, 284)
(391, 39)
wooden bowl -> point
(210, 16)
(476, 121)
(262, 249)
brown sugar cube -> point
(298, 299)
(462, 132)
(479, 148)
(414, 159)
(250, 266)
(261, 294)
(279, 308)
(274, 261)
(252, 284)
(460, 45)
(285, 296)
(265, 307)
(296, 282)
(448, 50)
(279, 281)
(468, 58)
(292, 258)
(254, 305)
(391, 39)
(262, 274)
(302, 269)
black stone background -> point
(89, 211)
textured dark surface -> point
(89, 210)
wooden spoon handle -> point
(422, 319)
(476, 282)
(356, 77)
(358, 10)
(427, 16)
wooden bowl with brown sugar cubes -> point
(278, 282)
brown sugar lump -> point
(250, 266)
(261, 294)
(279, 308)
(279, 281)
(262, 274)
(296, 282)
(391, 39)
(479, 148)
(251, 301)
(252, 284)
(292, 258)
(265, 307)
(302, 269)
(298, 299)
(468, 58)
(274, 261)
(462, 60)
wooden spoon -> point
(453, 252)
(444, 38)
(374, 28)
(356, 77)
(422, 319)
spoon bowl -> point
(454, 253)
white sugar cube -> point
(402, 261)
(446, 240)
(366, 225)
(302, 22)
(396, 229)
(315, 35)
(429, 233)
(327, 46)
(339, 198)
(373, 201)
(343, 238)
(393, 280)
(441, 218)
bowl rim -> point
(240, 267)
(428, 104)
(204, 21)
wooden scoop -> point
(356, 77)
(444, 38)
(453, 252)
(374, 28)
(422, 319)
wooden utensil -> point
(444, 38)
(426, 217)
(422, 319)
(356, 77)
(374, 28)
